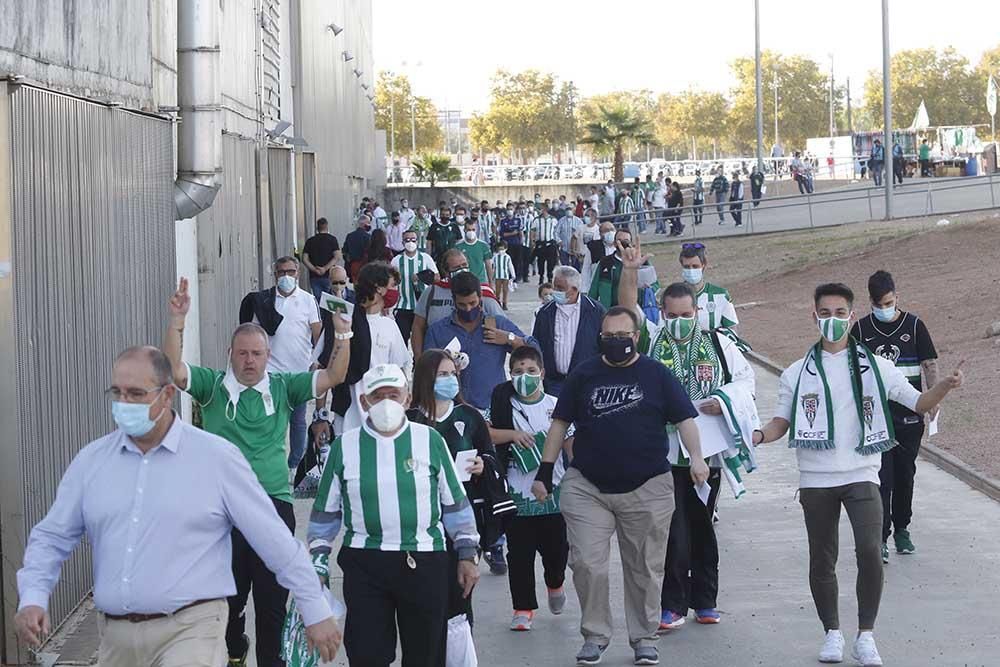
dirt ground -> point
(948, 275)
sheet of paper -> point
(453, 346)
(713, 434)
(704, 491)
(646, 276)
(932, 427)
(462, 462)
(335, 304)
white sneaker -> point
(865, 652)
(833, 647)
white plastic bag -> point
(461, 651)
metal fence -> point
(87, 226)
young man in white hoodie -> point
(835, 403)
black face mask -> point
(618, 350)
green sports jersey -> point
(247, 424)
(715, 308)
(409, 287)
(390, 489)
(463, 428)
(421, 227)
(478, 254)
(442, 237)
(544, 228)
(503, 266)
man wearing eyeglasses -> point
(251, 407)
(158, 500)
(620, 404)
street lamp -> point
(887, 109)
(757, 87)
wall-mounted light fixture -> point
(347, 56)
(334, 28)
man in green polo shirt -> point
(251, 408)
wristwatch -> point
(344, 336)
(511, 337)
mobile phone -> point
(490, 322)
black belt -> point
(141, 618)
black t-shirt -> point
(356, 244)
(321, 249)
(905, 342)
(620, 416)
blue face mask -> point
(133, 418)
(470, 315)
(286, 283)
(559, 297)
(884, 314)
(692, 276)
(446, 387)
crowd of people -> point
(442, 433)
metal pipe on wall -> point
(199, 135)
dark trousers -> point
(382, 592)
(269, 598)
(897, 171)
(698, 210)
(456, 603)
(756, 193)
(821, 508)
(320, 284)
(404, 320)
(691, 570)
(925, 167)
(526, 536)
(875, 167)
(518, 256)
(548, 257)
(899, 466)
(736, 210)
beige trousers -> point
(194, 637)
(641, 518)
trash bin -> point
(972, 166)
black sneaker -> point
(496, 560)
(241, 661)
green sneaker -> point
(885, 553)
(903, 543)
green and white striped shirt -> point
(544, 228)
(715, 309)
(487, 225)
(393, 491)
(503, 266)
(408, 268)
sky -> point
(662, 45)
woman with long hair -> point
(378, 249)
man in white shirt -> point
(406, 214)
(394, 233)
(834, 404)
(292, 343)
(380, 217)
(569, 241)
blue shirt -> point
(160, 527)
(507, 227)
(620, 415)
(487, 362)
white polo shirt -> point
(291, 344)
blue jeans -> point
(320, 285)
(296, 436)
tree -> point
(989, 64)
(942, 80)
(640, 102)
(698, 116)
(434, 167)
(803, 102)
(615, 128)
(396, 108)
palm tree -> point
(434, 167)
(613, 129)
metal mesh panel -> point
(270, 20)
(227, 249)
(94, 265)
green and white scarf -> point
(812, 424)
(696, 366)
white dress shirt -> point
(567, 321)
(160, 527)
(292, 344)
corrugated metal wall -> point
(227, 249)
(308, 197)
(270, 20)
(278, 195)
(93, 259)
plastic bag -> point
(461, 651)
(294, 645)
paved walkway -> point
(939, 606)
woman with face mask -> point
(437, 402)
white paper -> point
(646, 276)
(704, 491)
(462, 462)
(713, 434)
(453, 346)
(335, 304)
(932, 427)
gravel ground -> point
(949, 276)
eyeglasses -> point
(132, 395)
(285, 272)
(339, 282)
(693, 246)
(617, 335)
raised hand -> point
(180, 302)
(632, 258)
(957, 377)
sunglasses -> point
(693, 246)
(339, 282)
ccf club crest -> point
(810, 403)
(868, 410)
(705, 375)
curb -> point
(949, 463)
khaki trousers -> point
(194, 637)
(641, 518)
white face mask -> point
(387, 415)
(470, 237)
(459, 218)
(411, 246)
(609, 238)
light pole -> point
(776, 86)
(413, 127)
(392, 130)
(887, 109)
(833, 124)
(850, 123)
(757, 83)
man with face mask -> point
(715, 306)
(590, 232)
(485, 338)
(486, 230)
(567, 328)
(902, 338)
(251, 408)
(608, 269)
(620, 404)
(394, 234)
(716, 376)
(443, 234)
(394, 488)
(410, 265)
(511, 232)
(292, 341)
(158, 499)
(356, 245)
(420, 226)
(834, 403)
(406, 213)
(477, 252)
(545, 243)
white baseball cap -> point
(383, 375)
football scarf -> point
(696, 366)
